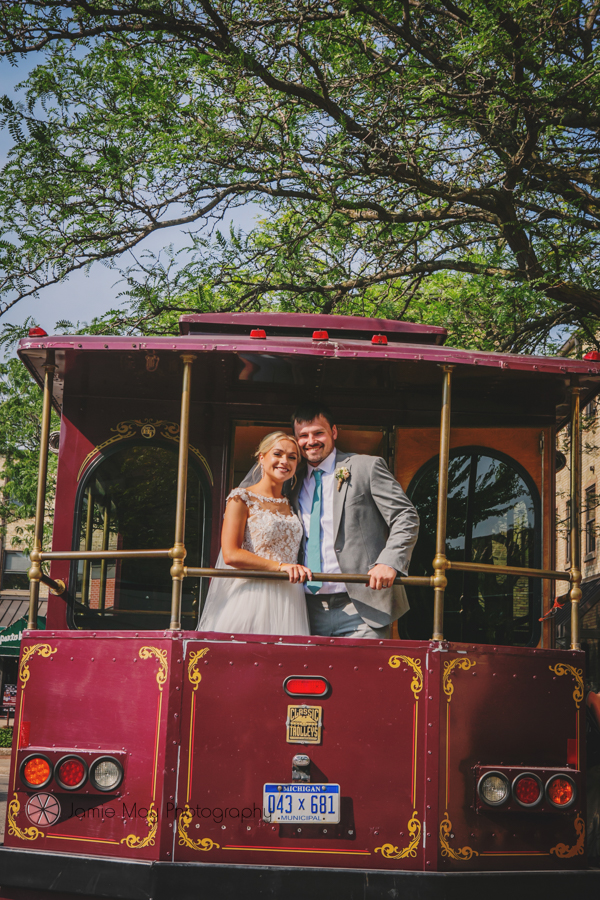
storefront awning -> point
(10, 638)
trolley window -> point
(493, 518)
(128, 503)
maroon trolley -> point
(144, 749)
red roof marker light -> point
(37, 332)
(593, 354)
(320, 336)
(379, 339)
(259, 334)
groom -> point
(356, 518)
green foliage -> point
(429, 161)
(6, 736)
(20, 414)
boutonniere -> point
(342, 475)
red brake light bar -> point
(306, 686)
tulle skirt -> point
(253, 606)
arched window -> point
(127, 502)
(493, 518)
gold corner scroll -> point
(194, 675)
(449, 667)
(565, 852)
(163, 665)
(147, 428)
(416, 684)
(183, 823)
(389, 851)
(136, 843)
(564, 669)
(463, 853)
(25, 834)
(44, 650)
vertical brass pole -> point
(178, 552)
(35, 572)
(440, 562)
(575, 571)
(104, 563)
(89, 533)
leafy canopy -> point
(429, 160)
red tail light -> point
(527, 790)
(306, 686)
(36, 771)
(560, 791)
(71, 773)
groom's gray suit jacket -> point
(373, 522)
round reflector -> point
(527, 789)
(36, 771)
(106, 774)
(71, 773)
(560, 791)
(493, 788)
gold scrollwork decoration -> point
(44, 650)
(564, 851)
(163, 665)
(25, 834)
(146, 428)
(389, 851)
(183, 823)
(564, 669)
(449, 667)
(193, 673)
(416, 684)
(462, 853)
(136, 843)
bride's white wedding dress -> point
(251, 605)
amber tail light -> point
(36, 771)
(561, 791)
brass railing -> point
(177, 552)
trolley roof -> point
(236, 364)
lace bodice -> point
(273, 531)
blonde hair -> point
(269, 441)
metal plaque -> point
(304, 724)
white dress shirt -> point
(328, 557)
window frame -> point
(522, 472)
(90, 474)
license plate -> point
(301, 803)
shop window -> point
(14, 572)
(493, 518)
(128, 503)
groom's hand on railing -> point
(381, 577)
(297, 573)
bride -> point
(261, 531)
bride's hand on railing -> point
(296, 572)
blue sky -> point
(83, 296)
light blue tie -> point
(313, 545)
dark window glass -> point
(14, 576)
(590, 521)
(491, 519)
(128, 503)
